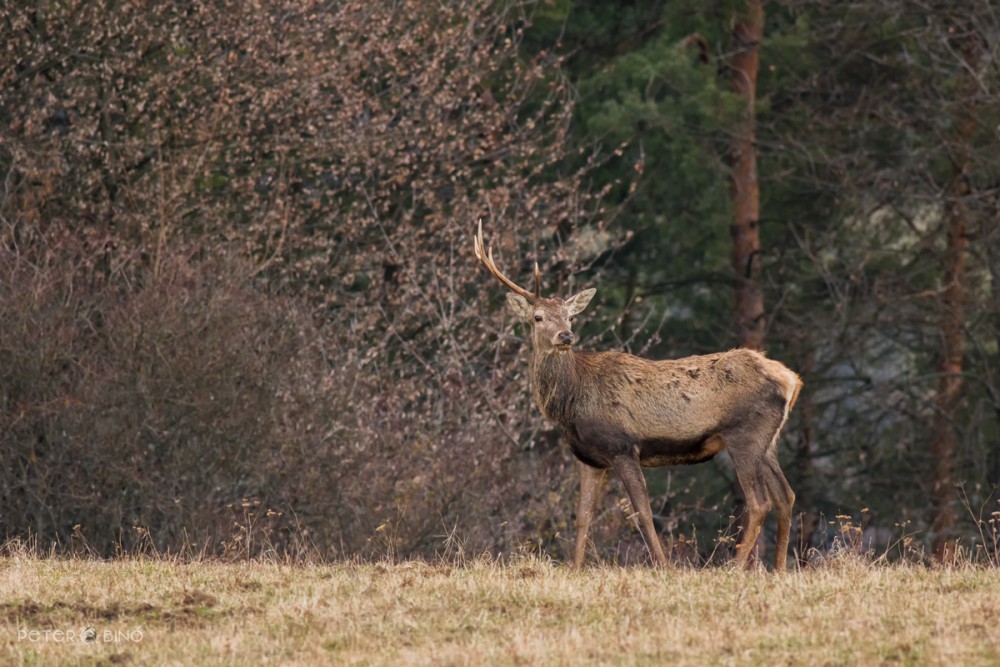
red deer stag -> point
(623, 412)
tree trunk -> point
(992, 246)
(745, 231)
(944, 437)
(949, 391)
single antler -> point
(487, 259)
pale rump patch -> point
(790, 385)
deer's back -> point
(683, 400)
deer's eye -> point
(572, 318)
(538, 318)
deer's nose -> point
(566, 337)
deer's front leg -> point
(630, 472)
(590, 486)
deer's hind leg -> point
(783, 498)
(757, 507)
(755, 457)
(748, 451)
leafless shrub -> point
(235, 271)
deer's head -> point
(551, 319)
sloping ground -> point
(529, 612)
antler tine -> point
(538, 283)
(487, 259)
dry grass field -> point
(524, 612)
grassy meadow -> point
(527, 611)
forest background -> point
(239, 309)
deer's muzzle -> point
(565, 338)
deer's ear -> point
(519, 305)
(578, 302)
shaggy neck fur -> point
(556, 383)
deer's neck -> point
(556, 383)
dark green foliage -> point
(856, 116)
